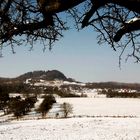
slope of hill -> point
(53, 75)
(44, 75)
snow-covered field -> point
(104, 106)
(92, 119)
(72, 129)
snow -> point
(72, 129)
(92, 119)
(92, 93)
(104, 106)
(73, 83)
(55, 82)
(27, 81)
(133, 19)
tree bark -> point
(133, 5)
(129, 27)
(56, 6)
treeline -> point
(115, 94)
(16, 105)
(114, 85)
(17, 88)
(23, 88)
(62, 92)
(22, 106)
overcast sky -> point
(77, 55)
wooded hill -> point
(55, 74)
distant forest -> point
(18, 83)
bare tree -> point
(66, 109)
(42, 20)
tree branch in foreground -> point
(132, 25)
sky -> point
(77, 55)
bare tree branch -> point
(132, 25)
(43, 20)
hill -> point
(44, 75)
(52, 75)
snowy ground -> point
(104, 106)
(72, 129)
(92, 119)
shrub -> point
(46, 105)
